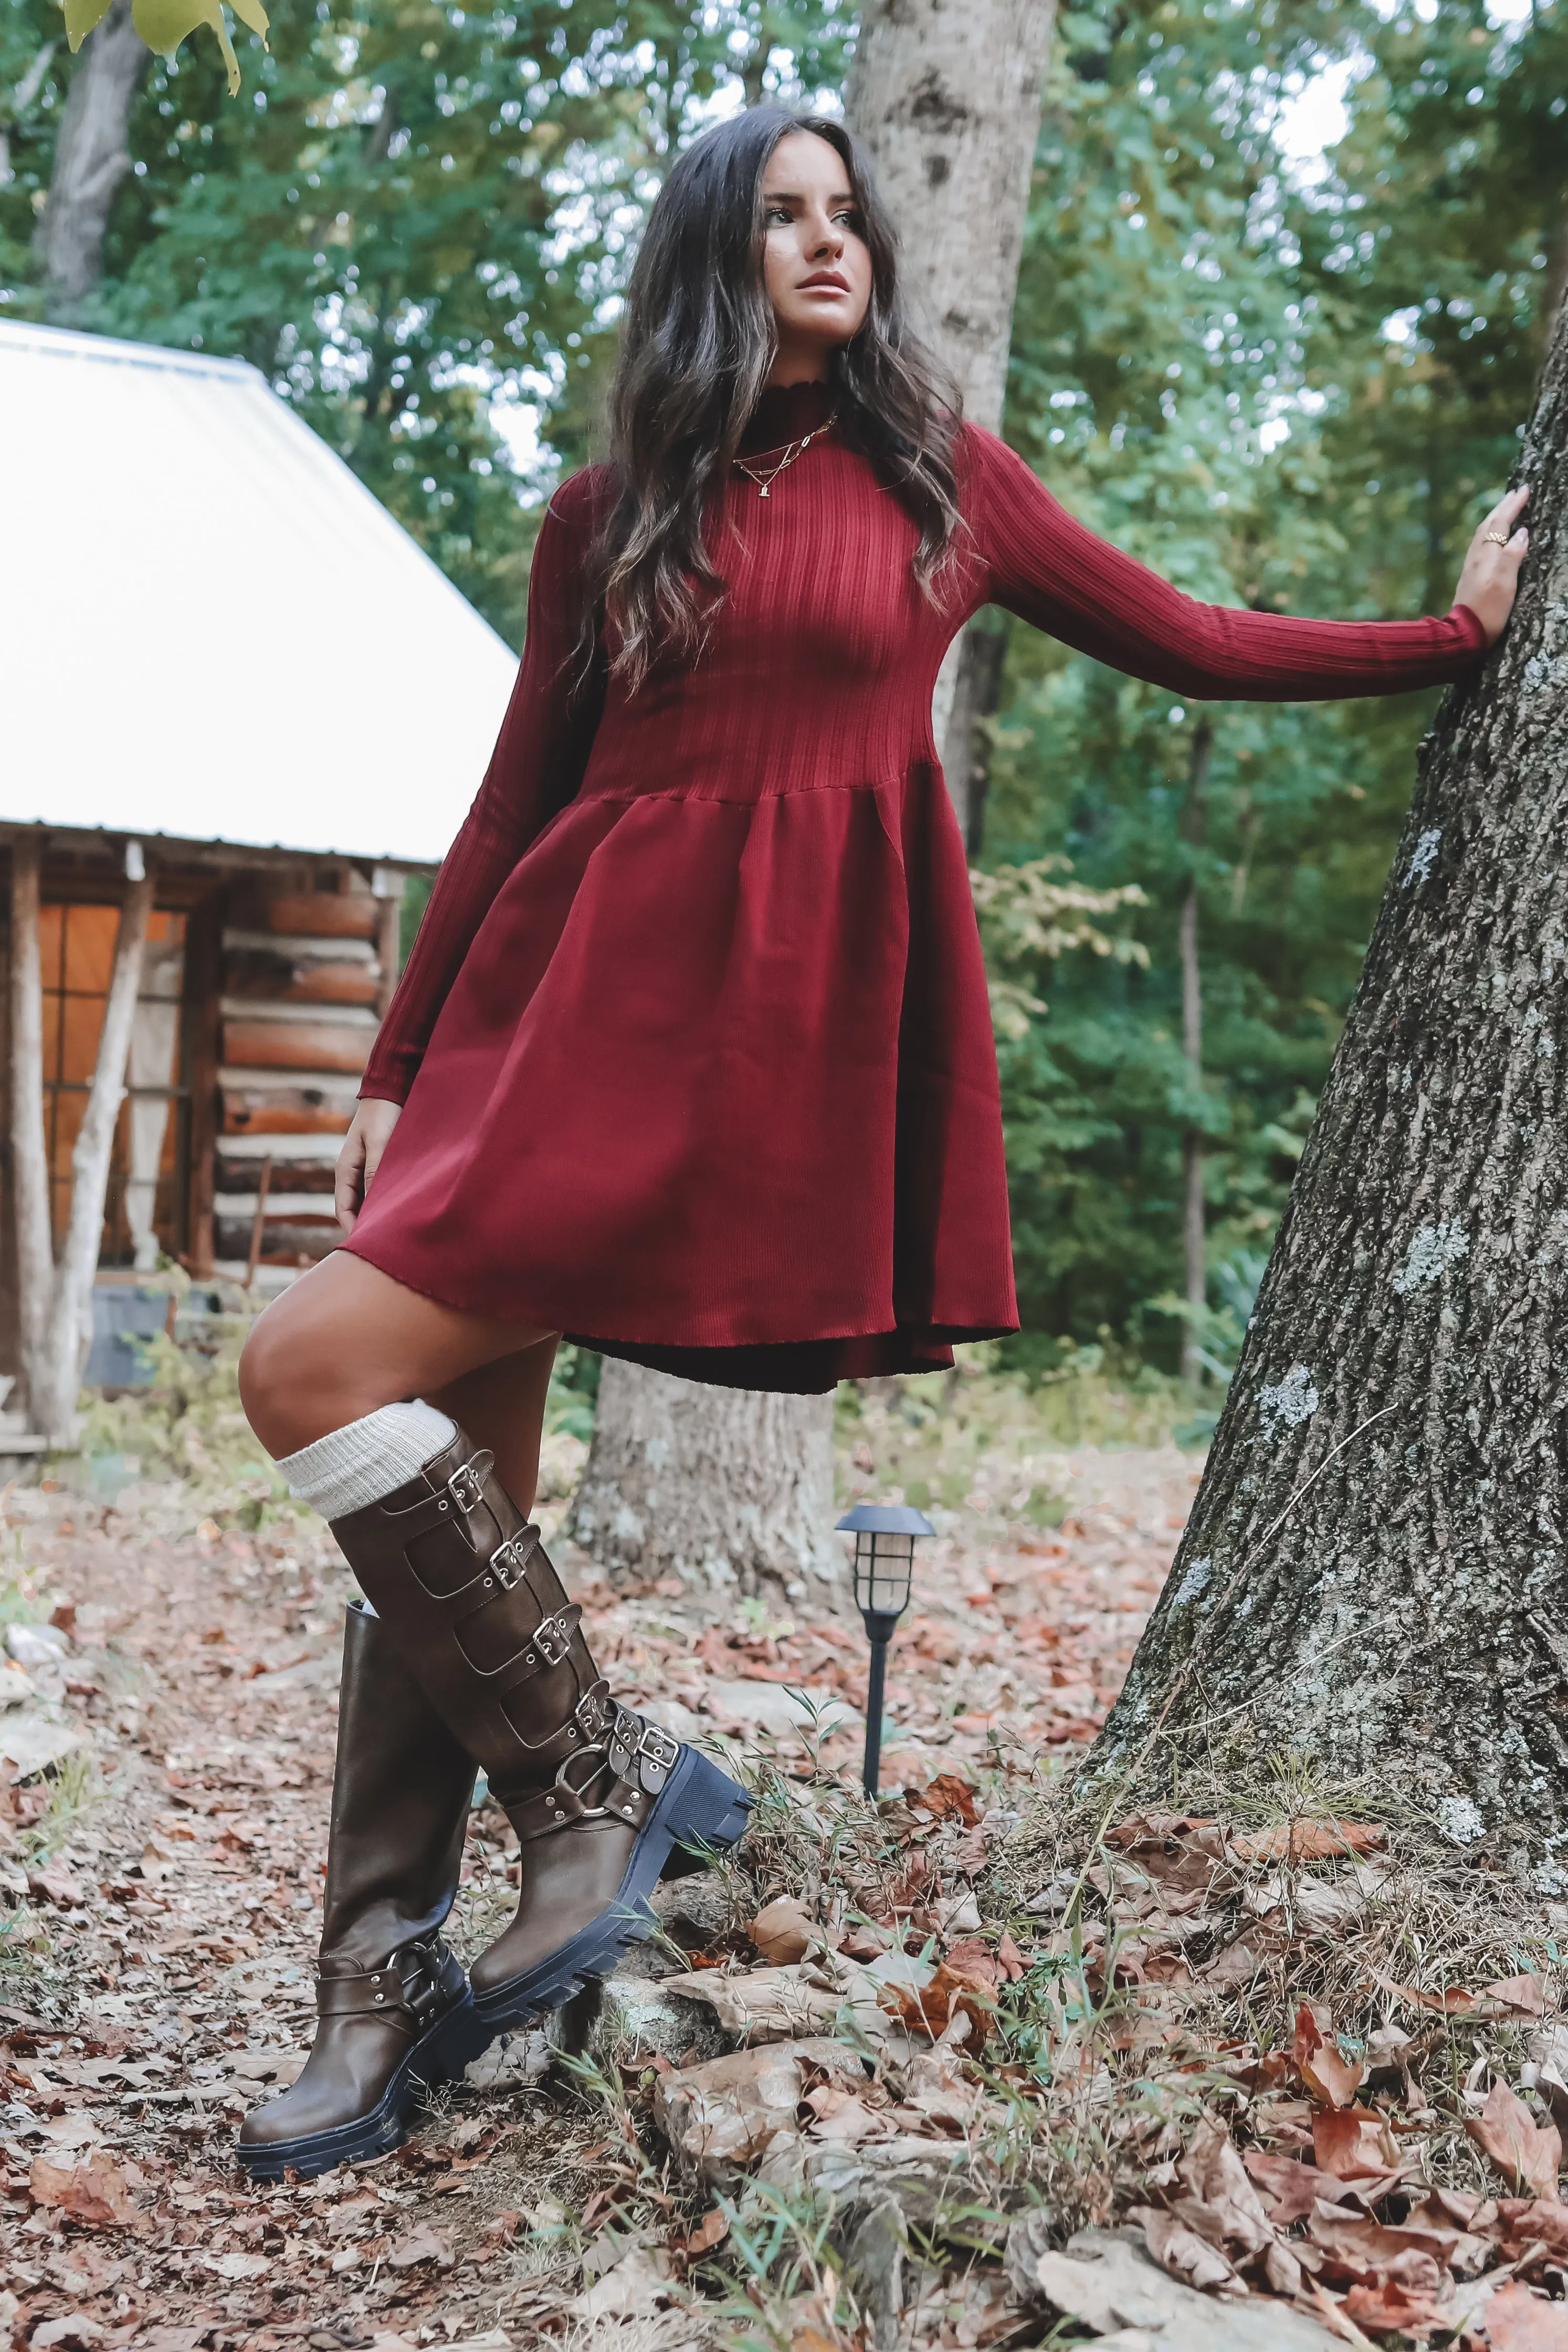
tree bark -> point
(91, 158)
(966, 751)
(1373, 1579)
(1193, 1239)
(55, 1378)
(946, 97)
(30, 1147)
(728, 1487)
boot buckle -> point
(551, 1639)
(658, 1746)
(509, 1562)
(467, 1483)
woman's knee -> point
(288, 1381)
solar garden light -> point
(884, 1535)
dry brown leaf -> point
(1449, 2002)
(1515, 2320)
(1178, 2248)
(55, 1884)
(1349, 2143)
(1328, 2076)
(95, 2191)
(947, 1797)
(929, 2008)
(1369, 2248)
(1388, 2303)
(1526, 1994)
(1291, 2188)
(1525, 2222)
(710, 2231)
(972, 1959)
(1309, 1841)
(783, 1931)
(1217, 2179)
(728, 2112)
(1526, 2152)
(421, 2245)
(1180, 1851)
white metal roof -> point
(209, 628)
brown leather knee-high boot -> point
(598, 1797)
(396, 2014)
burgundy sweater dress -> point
(694, 1041)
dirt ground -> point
(164, 1892)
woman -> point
(692, 1058)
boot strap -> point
(640, 1758)
(375, 1992)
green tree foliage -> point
(1282, 392)
(411, 211)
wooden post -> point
(52, 1389)
(258, 1222)
(29, 1150)
(202, 1015)
(388, 885)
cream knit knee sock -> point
(357, 1465)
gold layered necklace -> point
(766, 474)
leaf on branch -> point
(165, 23)
(81, 16)
(1528, 2153)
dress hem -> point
(806, 1366)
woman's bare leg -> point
(346, 1339)
(502, 1406)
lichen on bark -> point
(1373, 1578)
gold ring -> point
(1497, 539)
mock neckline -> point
(786, 411)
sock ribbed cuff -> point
(355, 1465)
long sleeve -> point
(536, 769)
(1051, 572)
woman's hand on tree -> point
(1490, 580)
(357, 1163)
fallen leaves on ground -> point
(1527, 2153)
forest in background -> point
(1280, 385)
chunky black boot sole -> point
(440, 2056)
(700, 1813)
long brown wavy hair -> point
(697, 343)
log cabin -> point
(230, 670)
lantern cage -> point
(886, 1535)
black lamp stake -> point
(884, 1535)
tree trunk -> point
(946, 96)
(55, 1374)
(1194, 1240)
(1373, 1579)
(30, 1147)
(91, 158)
(967, 753)
(730, 1487)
